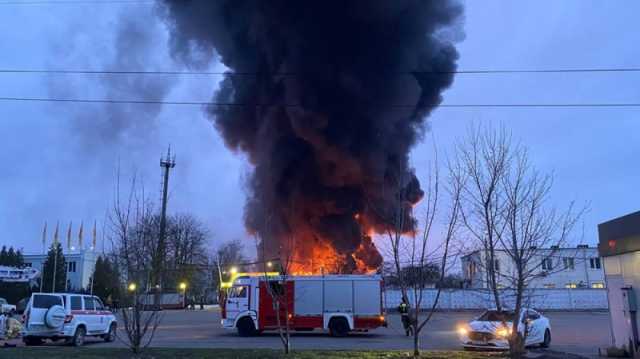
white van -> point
(67, 316)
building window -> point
(547, 264)
(470, 270)
(594, 263)
(568, 263)
(597, 285)
(71, 267)
(549, 285)
(571, 285)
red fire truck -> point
(339, 303)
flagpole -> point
(44, 238)
(44, 251)
(55, 258)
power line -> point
(286, 74)
(74, 2)
(257, 105)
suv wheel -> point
(31, 341)
(78, 337)
(111, 335)
(246, 327)
(338, 327)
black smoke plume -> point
(336, 93)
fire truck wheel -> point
(246, 327)
(338, 327)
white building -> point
(620, 248)
(80, 266)
(579, 267)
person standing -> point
(403, 308)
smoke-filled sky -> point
(60, 160)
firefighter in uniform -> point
(403, 308)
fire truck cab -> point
(337, 303)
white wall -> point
(557, 299)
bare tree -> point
(139, 325)
(415, 262)
(128, 236)
(228, 254)
(279, 288)
(506, 209)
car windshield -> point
(3, 301)
(496, 316)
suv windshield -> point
(46, 301)
(496, 316)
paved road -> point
(574, 332)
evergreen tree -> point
(3, 256)
(60, 269)
(106, 280)
(11, 257)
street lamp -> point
(132, 287)
(233, 270)
(183, 288)
(269, 264)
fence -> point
(543, 299)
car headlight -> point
(463, 330)
(503, 332)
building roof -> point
(580, 246)
(619, 235)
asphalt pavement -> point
(573, 332)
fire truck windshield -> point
(238, 292)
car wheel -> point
(31, 341)
(111, 335)
(78, 337)
(338, 327)
(246, 327)
(547, 339)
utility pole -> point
(158, 271)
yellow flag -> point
(44, 234)
(69, 237)
(94, 235)
(55, 235)
(80, 235)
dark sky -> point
(60, 160)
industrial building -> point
(575, 267)
(620, 247)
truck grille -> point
(481, 336)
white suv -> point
(66, 316)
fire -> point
(324, 259)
